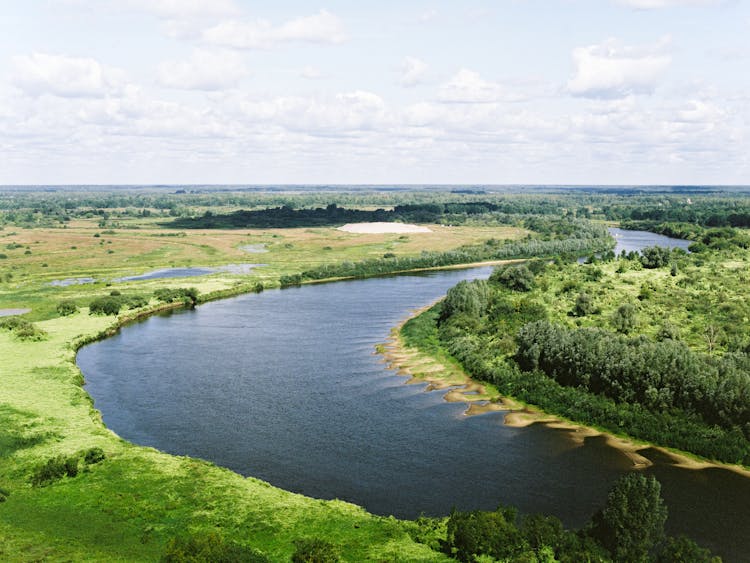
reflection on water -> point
(284, 386)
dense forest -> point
(651, 345)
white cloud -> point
(60, 75)
(613, 70)
(468, 87)
(322, 27)
(206, 70)
(656, 4)
(413, 71)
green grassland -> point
(128, 506)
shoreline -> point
(407, 362)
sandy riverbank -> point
(421, 368)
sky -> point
(596, 92)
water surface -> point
(284, 386)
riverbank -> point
(445, 373)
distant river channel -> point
(285, 386)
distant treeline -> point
(286, 216)
(587, 239)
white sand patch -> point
(378, 228)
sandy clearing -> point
(380, 228)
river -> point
(285, 386)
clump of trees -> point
(115, 301)
(629, 528)
(187, 295)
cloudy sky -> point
(493, 91)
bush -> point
(315, 551)
(209, 548)
(66, 307)
(115, 293)
(23, 329)
(188, 295)
(52, 470)
(4, 494)
(94, 455)
(104, 306)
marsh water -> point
(285, 386)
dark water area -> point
(285, 386)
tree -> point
(105, 306)
(625, 318)
(632, 521)
(516, 278)
(584, 305)
(67, 307)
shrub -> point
(104, 306)
(134, 301)
(94, 455)
(209, 548)
(4, 494)
(115, 293)
(23, 329)
(3, 256)
(71, 466)
(315, 550)
(66, 307)
(188, 295)
(49, 472)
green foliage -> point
(315, 550)
(655, 257)
(105, 306)
(54, 469)
(476, 533)
(515, 278)
(468, 298)
(625, 318)
(22, 329)
(684, 550)
(4, 494)
(584, 305)
(94, 455)
(188, 295)
(209, 548)
(67, 307)
(631, 523)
